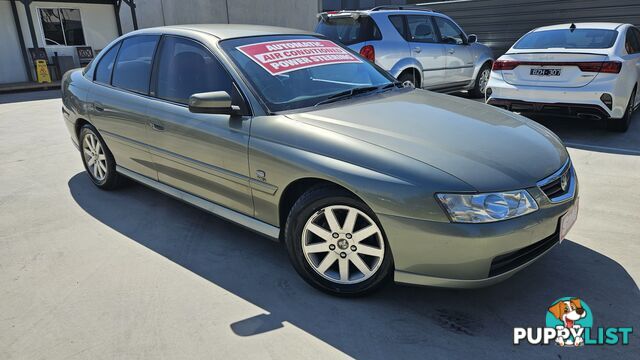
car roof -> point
(228, 31)
(584, 25)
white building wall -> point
(299, 14)
(11, 63)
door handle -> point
(452, 50)
(98, 108)
(417, 49)
(156, 127)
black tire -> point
(622, 124)
(408, 77)
(111, 179)
(478, 91)
(306, 206)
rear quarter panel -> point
(75, 88)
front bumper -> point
(472, 255)
(568, 101)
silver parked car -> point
(417, 46)
(299, 139)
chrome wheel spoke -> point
(91, 161)
(343, 266)
(365, 233)
(360, 265)
(87, 152)
(320, 232)
(102, 167)
(317, 248)
(327, 262)
(95, 170)
(370, 250)
(350, 221)
(331, 220)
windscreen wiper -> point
(348, 94)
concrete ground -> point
(131, 274)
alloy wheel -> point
(484, 80)
(343, 244)
(94, 157)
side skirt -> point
(221, 211)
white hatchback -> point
(584, 70)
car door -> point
(459, 55)
(423, 42)
(202, 154)
(119, 99)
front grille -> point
(552, 186)
(507, 262)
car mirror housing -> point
(215, 102)
(472, 38)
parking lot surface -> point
(89, 274)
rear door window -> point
(421, 29)
(348, 30)
(105, 66)
(133, 67)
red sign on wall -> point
(279, 57)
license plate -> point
(568, 220)
(545, 72)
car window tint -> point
(105, 66)
(348, 30)
(421, 29)
(133, 67)
(631, 42)
(568, 39)
(636, 36)
(186, 68)
(449, 32)
(398, 22)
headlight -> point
(489, 207)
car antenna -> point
(572, 27)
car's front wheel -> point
(622, 124)
(97, 159)
(336, 243)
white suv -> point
(584, 70)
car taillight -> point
(368, 52)
(611, 67)
(505, 65)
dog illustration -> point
(569, 312)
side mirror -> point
(472, 38)
(216, 102)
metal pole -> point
(116, 9)
(23, 47)
(32, 30)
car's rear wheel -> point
(622, 124)
(481, 81)
(97, 159)
(336, 243)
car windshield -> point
(291, 72)
(567, 39)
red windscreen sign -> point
(278, 57)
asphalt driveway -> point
(128, 274)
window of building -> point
(62, 27)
